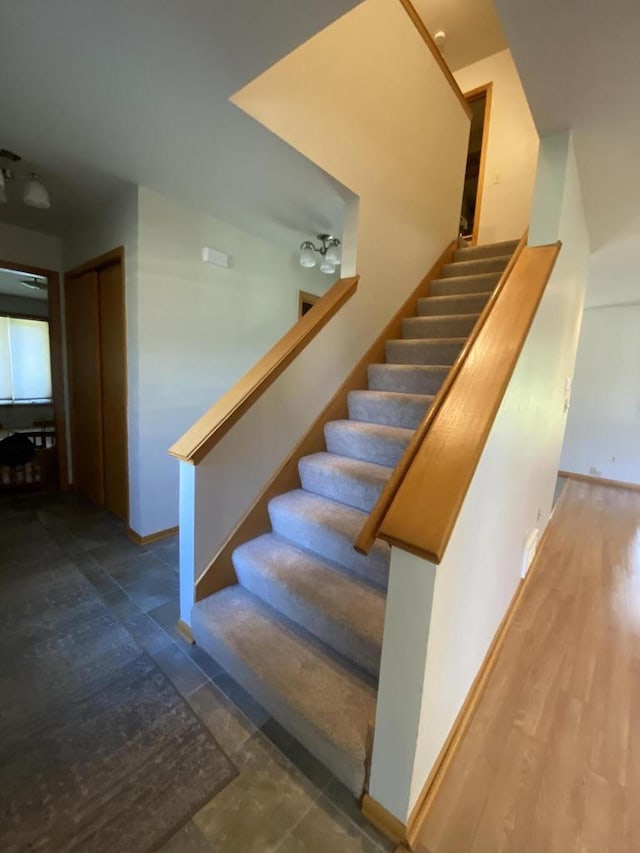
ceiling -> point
(579, 62)
(472, 28)
(104, 95)
(10, 285)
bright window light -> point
(25, 361)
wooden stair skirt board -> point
(289, 608)
(151, 537)
(408, 834)
(599, 481)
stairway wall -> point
(512, 148)
(367, 102)
(458, 605)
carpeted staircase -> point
(302, 629)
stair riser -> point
(331, 544)
(435, 327)
(336, 635)
(406, 379)
(494, 250)
(422, 352)
(339, 487)
(459, 286)
(369, 448)
(477, 267)
(407, 414)
(471, 304)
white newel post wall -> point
(187, 540)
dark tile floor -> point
(283, 799)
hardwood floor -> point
(551, 761)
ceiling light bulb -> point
(327, 267)
(333, 254)
(307, 255)
(440, 38)
(3, 188)
(36, 194)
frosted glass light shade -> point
(333, 255)
(36, 194)
(327, 267)
(307, 256)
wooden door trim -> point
(57, 371)
(113, 256)
(486, 89)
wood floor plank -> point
(551, 760)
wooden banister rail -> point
(423, 498)
(199, 439)
(412, 12)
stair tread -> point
(448, 298)
(368, 471)
(443, 318)
(457, 340)
(324, 473)
(323, 703)
(480, 278)
(476, 264)
(328, 528)
(383, 430)
(392, 408)
(336, 607)
(487, 250)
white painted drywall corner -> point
(23, 245)
(510, 494)
(200, 328)
(604, 418)
(116, 225)
(512, 148)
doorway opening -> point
(32, 420)
(479, 101)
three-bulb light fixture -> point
(328, 250)
(34, 194)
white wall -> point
(512, 148)
(375, 134)
(459, 604)
(117, 225)
(603, 429)
(200, 328)
(23, 246)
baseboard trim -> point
(599, 481)
(383, 820)
(470, 705)
(185, 632)
(151, 537)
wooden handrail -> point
(373, 523)
(424, 510)
(433, 47)
(199, 439)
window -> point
(25, 363)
